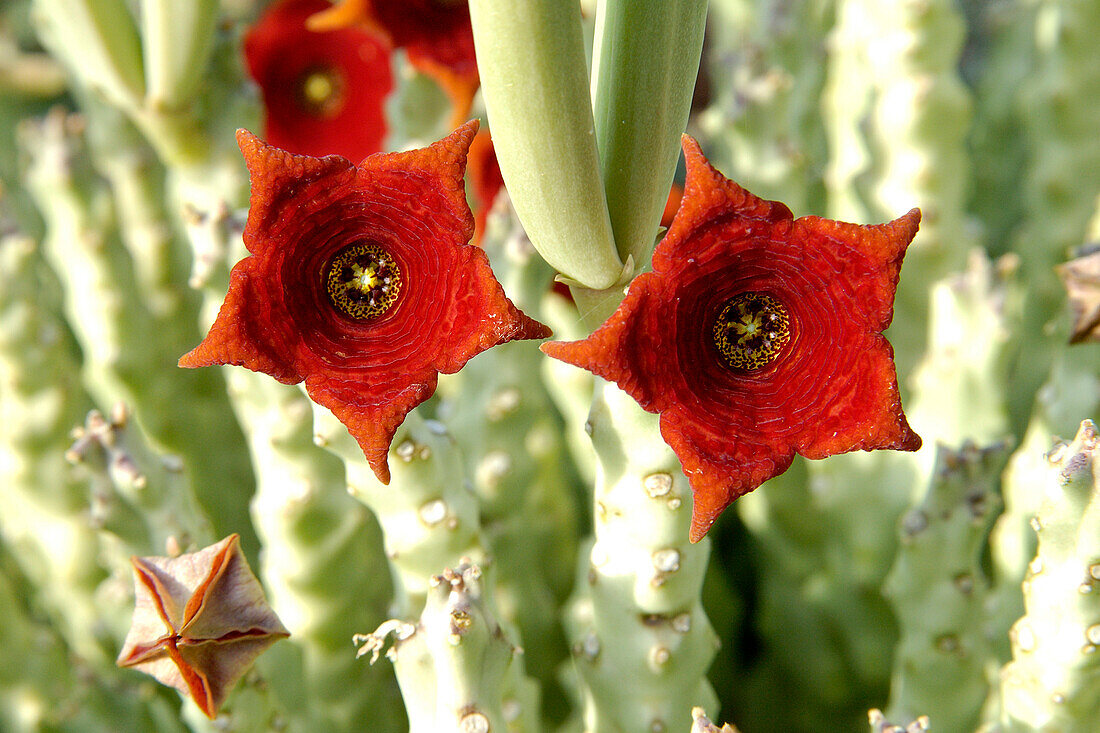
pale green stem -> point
(98, 42)
(645, 61)
(641, 641)
(178, 38)
(99, 38)
(533, 78)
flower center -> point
(321, 91)
(363, 281)
(751, 330)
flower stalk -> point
(645, 60)
(177, 39)
(535, 84)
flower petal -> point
(812, 373)
(309, 221)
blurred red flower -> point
(362, 283)
(757, 336)
(323, 92)
(485, 179)
(436, 35)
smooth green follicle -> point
(363, 281)
(751, 330)
(321, 91)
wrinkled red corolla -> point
(362, 283)
(200, 621)
(757, 336)
(436, 35)
(324, 93)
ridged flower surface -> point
(200, 621)
(757, 336)
(361, 283)
(323, 92)
(436, 35)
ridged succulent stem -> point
(456, 667)
(1059, 103)
(177, 41)
(42, 401)
(640, 639)
(323, 566)
(1053, 681)
(46, 529)
(897, 116)
(430, 521)
(763, 126)
(125, 348)
(939, 590)
(510, 437)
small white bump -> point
(473, 723)
(590, 646)
(657, 484)
(501, 404)
(435, 427)
(667, 560)
(433, 512)
(494, 466)
(405, 450)
(659, 656)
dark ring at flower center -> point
(363, 281)
(321, 91)
(751, 330)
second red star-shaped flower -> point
(757, 336)
(361, 283)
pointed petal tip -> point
(247, 141)
(909, 441)
(461, 138)
(699, 527)
(690, 145)
(907, 224)
(561, 350)
(340, 15)
(192, 360)
(381, 470)
(527, 328)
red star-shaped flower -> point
(757, 336)
(436, 35)
(362, 283)
(200, 620)
(324, 92)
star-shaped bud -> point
(757, 336)
(200, 621)
(1081, 277)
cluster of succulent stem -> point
(528, 566)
